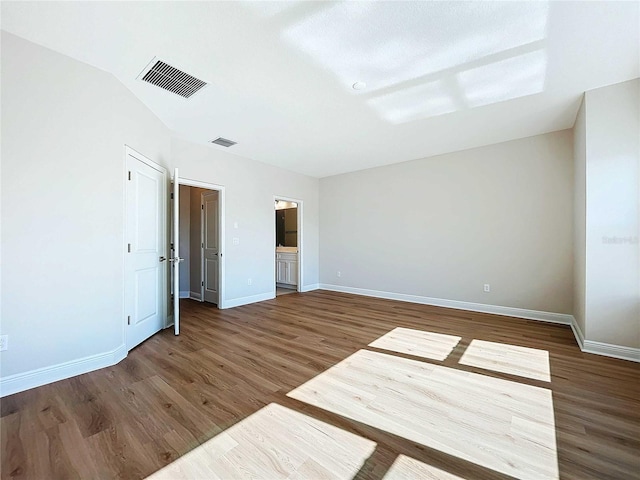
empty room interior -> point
(350, 240)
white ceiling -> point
(441, 76)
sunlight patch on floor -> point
(435, 346)
(498, 424)
(408, 468)
(501, 357)
(274, 442)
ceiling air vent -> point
(170, 78)
(223, 141)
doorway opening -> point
(199, 246)
(288, 245)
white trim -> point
(185, 294)
(605, 349)
(237, 302)
(609, 350)
(195, 296)
(221, 245)
(459, 305)
(586, 346)
(577, 332)
(300, 208)
(42, 376)
(310, 287)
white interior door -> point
(175, 261)
(210, 246)
(145, 265)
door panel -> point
(146, 295)
(210, 229)
(293, 273)
(147, 188)
(145, 273)
(175, 261)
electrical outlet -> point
(249, 281)
(339, 274)
(4, 343)
(487, 287)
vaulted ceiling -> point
(440, 76)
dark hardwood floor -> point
(172, 394)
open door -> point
(175, 261)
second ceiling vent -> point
(169, 78)
(223, 142)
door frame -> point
(300, 238)
(128, 151)
(221, 233)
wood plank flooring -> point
(223, 384)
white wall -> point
(64, 127)
(579, 217)
(185, 238)
(612, 208)
(249, 195)
(444, 226)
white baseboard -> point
(195, 296)
(185, 294)
(42, 376)
(609, 350)
(587, 346)
(310, 287)
(605, 349)
(237, 302)
(577, 332)
(459, 305)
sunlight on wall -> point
(422, 59)
(499, 357)
(406, 467)
(505, 426)
(274, 442)
(435, 346)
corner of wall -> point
(43, 376)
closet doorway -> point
(199, 226)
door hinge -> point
(202, 283)
(171, 195)
(202, 245)
(128, 247)
(172, 246)
(202, 206)
(128, 319)
(129, 174)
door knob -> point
(162, 259)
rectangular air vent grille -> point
(174, 80)
(223, 141)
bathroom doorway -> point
(288, 243)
